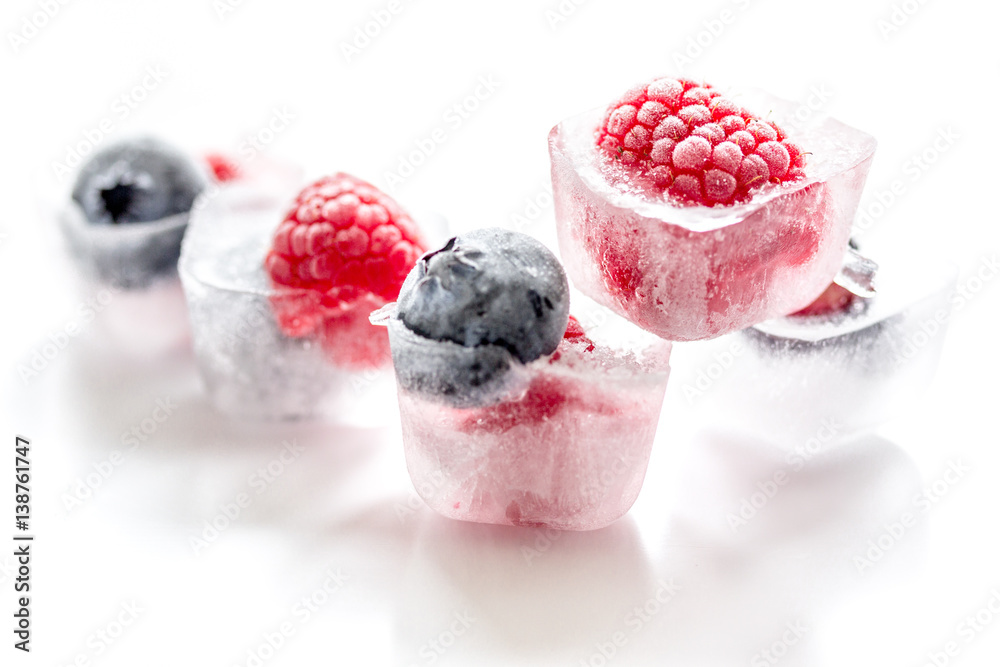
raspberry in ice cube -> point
(279, 297)
(695, 213)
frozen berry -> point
(497, 296)
(835, 299)
(489, 287)
(222, 167)
(134, 181)
(694, 145)
(132, 184)
(344, 249)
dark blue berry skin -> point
(120, 191)
(141, 180)
(498, 297)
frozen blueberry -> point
(140, 180)
(489, 287)
(487, 299)
(132, 200)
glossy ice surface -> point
(250, 367)
(823, 378)
(568, 448)
(695, 272)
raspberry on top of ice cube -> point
(344, 250)
(692, 144)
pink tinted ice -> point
(568, 450)
(696, 272)
(250, 368)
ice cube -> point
(129, 273)
(129, 256)
(567, 447)
(802, 379)
(249, 365)
(696, 272)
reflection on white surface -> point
(240, 536)
(535, 594)
(761, 554)
(335, 561)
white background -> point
(338, 506)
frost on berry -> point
(694, 144)
(342, 251)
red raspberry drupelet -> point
(687, 140)
(344, 248)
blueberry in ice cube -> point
(140, 180)
(132, 199)
(490, 298)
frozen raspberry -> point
(346, 247)
(835, 299)
(688, 141)
(545, 397)
(575, 335)
(223, 168)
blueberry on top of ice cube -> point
(489, 287)
(139, 180)
(473, 310)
